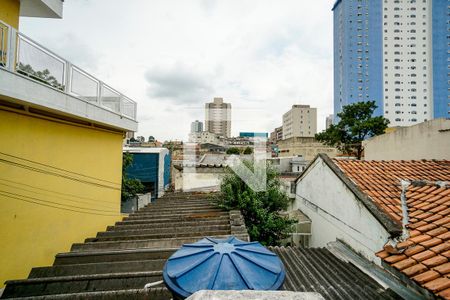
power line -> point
(56, 168)
(46, 205)
(67, 199)
(50, 191)
(56, 174)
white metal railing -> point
(22, 55)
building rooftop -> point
(318, 270)
(423, 254)
(380, 180)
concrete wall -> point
(198, 181)
(336, 213)
(59, 184)
(428, 140)
(9, 12)
(306, 147)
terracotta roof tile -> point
(425, 255)
(414, 250)
(403, 264)
(438, 285)
(426, 277)
(415, 270)
(435, 261)
(420, 238)
(431, 243)
(443, 269)
(441, 248)
(437, 231)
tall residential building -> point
(300, 121)
(196, 126)
(329, 121)
(218, 117)
(396, 53)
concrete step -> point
(138, 225)
(155, 236)
(179, 219)
(172, 204)
(163, 230)
(157, 293)
(153, 209)
(70, 258)
(153, 213)
(138, 244)
(98, 268)
(174, 215)
(79, 284)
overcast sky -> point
(173, 56)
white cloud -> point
(172, 56)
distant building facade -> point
(395, 53)
(329, 121)
(307, 147)
(427, 140)
(263, 135)
(205, 137)
(218, 117)
(196, 126)
(300, 121)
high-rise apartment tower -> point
(396, 53)
(218, 117)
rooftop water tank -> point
(228, 264)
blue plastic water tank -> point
(228, 264)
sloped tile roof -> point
(425, 256)
(380, 180)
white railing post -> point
(68, 77)
(121, 104)
(99, 93)
(12, 49)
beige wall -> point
(307, 147)
(428, 140)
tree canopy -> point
(261, 210)
(356, 124)
(233, 150)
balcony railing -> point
(22, 55)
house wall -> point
(307, 147)
(336, 213)
(187, 181)
(59, 184)
(9, 12)
(428, 140)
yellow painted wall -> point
(43, 210)
(9, 12)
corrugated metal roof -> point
(318, 270)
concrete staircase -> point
(117, 263)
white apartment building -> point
(218, 117)
(300, 121)
(407, 67)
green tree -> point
(233, 150)
(355, 125)
(130, 186)
(248, 150)
(261, 210)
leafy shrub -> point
(261, 210)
